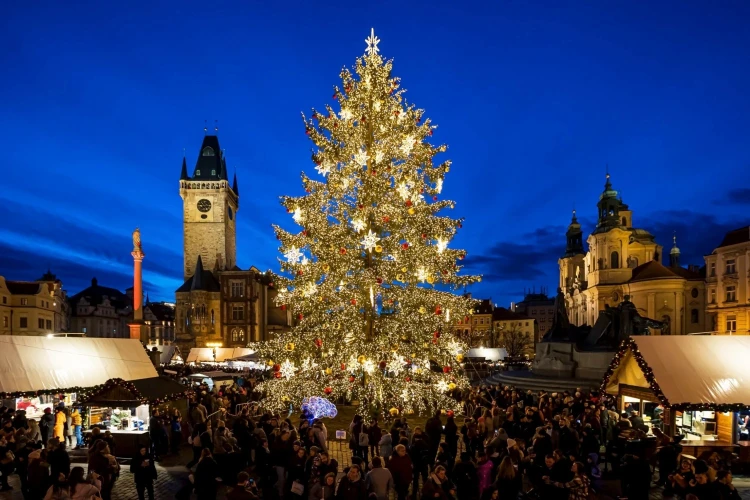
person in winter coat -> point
(386, 445)
(321, 434)
(401, 469)
(434, 429)
(20, 421)
(60, 419)
(206, 478)
(34, 433)
(373, 435)
(484, 471)
(144, 473)
(58, 458)
(77, 419)
(352, 487)
(105, 465)
(46, 423)
(81, 488)
(451, 435)
(465, 478)
(69, 432)
(379, 480)
(329, 487)
(435, 487)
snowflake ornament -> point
(358, 225)
(345, 114)
(442, 386)
(408, 145)
(287, 369)
(439, 185)
(298, 216)
(396, 364)
(323, 169)
(309, 290)
(370, 241)
(379, 155)
(369, 366)
(293, 255)
(442, 244)
(361, 158)
(403, 190)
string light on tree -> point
(369, 224)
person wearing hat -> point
(46, 423)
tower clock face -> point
(204, 205)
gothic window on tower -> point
(208, 151)
(238, 335)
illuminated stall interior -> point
(692, 385)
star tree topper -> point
(372, 43)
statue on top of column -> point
(137, 241)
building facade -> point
(219, 304)
(101, 311)
(623, 260)
(33, 307)
(728, 284)
(540, 308)
(504, 320)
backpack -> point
(364, 439)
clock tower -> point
(210, 204)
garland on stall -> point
(86, 393)
(630, 345)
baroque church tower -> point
(209, 207)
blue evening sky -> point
(533, 98)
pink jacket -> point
(86, 491)
(484, 473)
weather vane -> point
(372, 43)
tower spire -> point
(235, 187)
(674, 254)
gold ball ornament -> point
(430, 279)
(422, 310)
(361, 359)
(328, 371)
(400, 277)
(411, 211)
(459, 357)
(270, 362)
(326, 267)
(451, 386)
(404, 269)
(285, 399)
(410, 412)
(378, 248)
(290, 346)
(393, 412)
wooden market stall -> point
(690, 385)
(124, 408)
(39, 372)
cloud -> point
(735, 197)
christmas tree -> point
(360, 276)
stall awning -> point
(37, 364)
(685, 371)
(206, 354)
(167, 353)
(136, 392)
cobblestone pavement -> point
(173, 475)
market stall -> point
(124, 408)
(216, 354)
(39, 372)
(690, 385)
(212, 378)
(168, 354)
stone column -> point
(137, 331)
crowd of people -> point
(509, 444)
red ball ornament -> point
(434, 198)
(276, 367)
(430, 132)
(270, 284)
(307, 131)
(277, 375)
(379, 280)
(436, 334)
(435, 341)
(328, 390)
(382, 365)
(300, 316)
(352, 379)
(353, 302)
(318, 343)
(386, 219)
(304, 232)
(450, 413)
(361, 206)
(288, 210)
(335, 94)
(314, 116)
(408, 203)
(343, 366)
(342, 251)
(424, 236)
(438, 310)
(405, 245)
(299, 272)
(446, 369)
(308, 190)
(283, 307)
(461, 257)
(408, 379)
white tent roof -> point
(166, 353)
(690, 369)
(41, 363)
(206, 354)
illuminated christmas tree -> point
(360, 276)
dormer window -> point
(213, 172)
(208, 151)
(197, 172)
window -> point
(694, 293)
(40, 321)
(712, 269)
(527, 323)
(24, 302)
(5, 322)
(238, 312)
(731, 266)
(731, 324)
(713, 297)
(208, 151)
(213, 317)
(23, 322)
(731, 293)
(614, 260)
(694, 316)
(197, 172)
(238, 335)
(213, 172)
(83, 329)
(237, 289)
(49, 324)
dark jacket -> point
(351, 490)
(240, 493)
(206, 473)
(143, 473)
(401, 470)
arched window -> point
(208, 151)
(694, 316)
(213, 319)
(624, 221)
(238, 335)
(614, 260)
